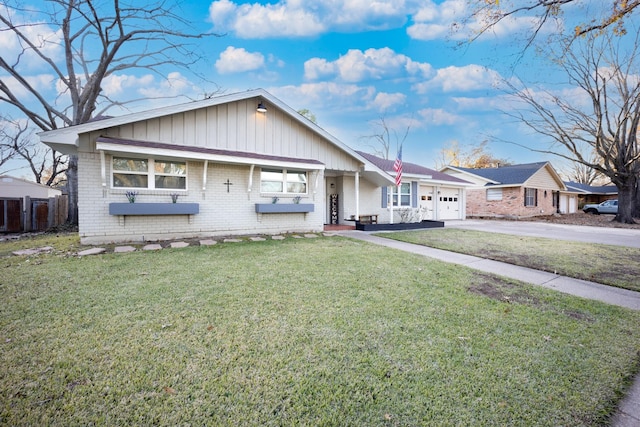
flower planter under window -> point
(153, 208)
(284, 207)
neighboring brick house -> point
(520, 191)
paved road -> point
(577, 233)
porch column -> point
(357, 183)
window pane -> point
(271, 175)
(405, 188)
(132, 165)
(178, 182)
(129, 180)
(494, 194)
(271, 187)
(296, 187)
(405, 200)
(172, 168)
(296, 176)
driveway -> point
(577, 233)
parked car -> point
(606, 207)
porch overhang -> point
(157, 149)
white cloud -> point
(317, 68)
(372, 64)
(125, 87)
(238, 60)
(387, 101)
(327, 94)
(461, 79)
(45, 39)
(117, 84)
(175, 85)
(438, 117)
(264, 21)
(40, 82)
(306, 18)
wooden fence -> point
(23, 215)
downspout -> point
(250, 187)
(315, 185)
(204, 177)
(103, 173)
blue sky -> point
(353, 62)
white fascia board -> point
(216, 158)
(447, 183)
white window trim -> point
(533, 197)
(394, 192)
(284, 172)
(151, 174)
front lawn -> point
(606, 264)
(325, 331)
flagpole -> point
(397, 166)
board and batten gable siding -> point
(543, 179)
(237, 127)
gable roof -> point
(591, 189)
(7, 180)
(65, 140)
(413, 169)
(510, 175)
(506, 175)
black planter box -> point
(153, 208)
(400, 226)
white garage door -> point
(449, 204)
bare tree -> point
(472, 156)
(47, 165)
(384, 137)
(584, 174)
(485, 15)
(80, 43)
(605, 121)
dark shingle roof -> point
(410, 169)
(592, 189)
(507, 175)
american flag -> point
(397, 166)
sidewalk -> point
(628, 414)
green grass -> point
(606, 264)
(325, 331)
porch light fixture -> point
(261, 108)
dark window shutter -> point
(384, 196)
(414, 194)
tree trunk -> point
(626, 201)
(636, 208)
(72, 188)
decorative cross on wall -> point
(228, 184)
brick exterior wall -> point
(222, 213)
(512, 203)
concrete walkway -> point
(628, 414)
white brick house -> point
(225, 160)
(524, 190)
